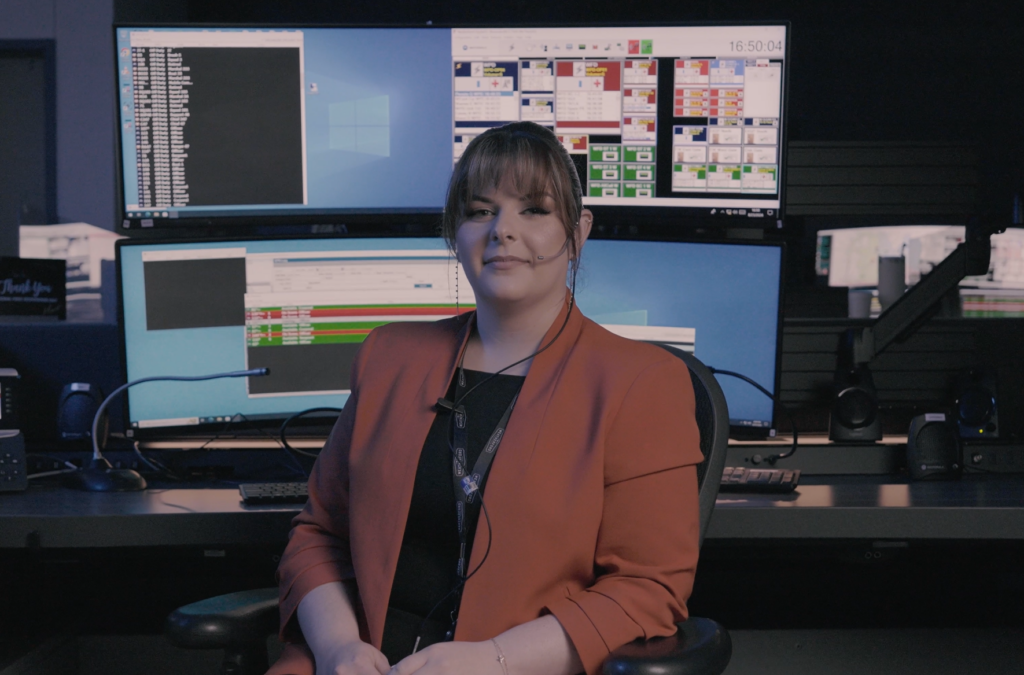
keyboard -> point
(274, 493)
(741, 479)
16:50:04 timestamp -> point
(756, 46)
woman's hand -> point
(451, 658)
(352, 658)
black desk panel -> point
(62, 518)
(976, 508)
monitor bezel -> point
(661, 217)
(258, 425)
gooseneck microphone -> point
(100, 475)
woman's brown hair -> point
(537, 164)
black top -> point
(426, 569)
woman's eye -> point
(537, 211)
(477, 214)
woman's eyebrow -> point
(478, 198)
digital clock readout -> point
(755, 46)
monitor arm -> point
(917, 305)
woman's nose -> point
(503, 227)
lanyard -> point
(467, 486)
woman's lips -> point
(504, 262)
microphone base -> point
(99, 476)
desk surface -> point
(975, 508)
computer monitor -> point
(302, 306)
(849, 256)
(321, 125)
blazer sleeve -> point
(647, 546)
(318, 545)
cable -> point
(572, 303)
(284, 446)
(43, 474)
(52, 458)
(771, 459)
(302, 413)
(153, 465)
(161, 468)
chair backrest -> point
(713, 422)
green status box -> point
(604, 171)
(697, 169)
(606, 153)
(603, 189)
(639, 153)
(638, 172)
(638, 190)
(726, 170)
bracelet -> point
(501, 657)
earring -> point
(458, 311)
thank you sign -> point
(32, 287)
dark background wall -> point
(28, 142)
(84, 94)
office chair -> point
(239, 623)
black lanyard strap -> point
(466, 485)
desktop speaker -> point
(976, 413)
(76, 409)
(854, 415)
(13, 466)
(933, 448)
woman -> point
(590, 528)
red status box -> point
(650, 124)
(649, 94)
(650, 66)
(611, 71)
(694, 64)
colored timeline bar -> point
(265, 313)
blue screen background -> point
(412, 67)
(728, 292)
(409, 66)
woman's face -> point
(513, 248)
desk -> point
(973, 509)
(62, 518)
(847, 552)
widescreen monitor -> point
(319, 125)
(302, 306)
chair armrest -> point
(225, 621)
(701, 647)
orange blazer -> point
(592, 495)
